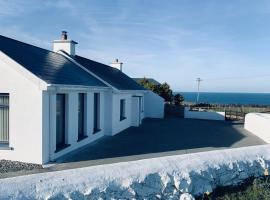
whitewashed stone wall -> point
(162, 178)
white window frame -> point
(4, 137)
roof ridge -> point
(99, 63)
(111, 75)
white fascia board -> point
(22, 70)
(63, 88)
(88, 71)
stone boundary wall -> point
(161, 178)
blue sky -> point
(225, 42)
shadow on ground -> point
(169, 136)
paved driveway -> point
(161, 137)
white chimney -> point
(64, 44)
(116, 64)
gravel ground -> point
(7, 166)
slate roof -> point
(111, 75)
(151, 80)
(49, 66)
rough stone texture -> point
(186, 196)
(158, 178)
(7, 166)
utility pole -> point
(199, 80)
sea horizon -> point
(241, 98)
(175, 92)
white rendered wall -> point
(204, 115)
(117, 65)
(25, 120)
(259, 125)
(153, 105)
(108, 112)
(117, 125)
(135, 120)
(46, 127)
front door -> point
(137, 106)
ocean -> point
(228, 98)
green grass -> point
(252, 189)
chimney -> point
(64, 44)
(116, 64)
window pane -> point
(60, 120)
(96, 112)
(4, 118)
(122, 109)
(81, 112)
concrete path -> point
(156, 138)
(160, 137)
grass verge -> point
(251, 189)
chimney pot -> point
(64, 35)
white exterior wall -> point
(135, 120)
(259, 125)
(204, 115)
(117, 125)
(25, 114)
(153, 105)
(108, 112)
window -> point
(96, 112)
(122, 109)
(4, 118)
(81, 116)
(60, 121)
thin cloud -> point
(17, 33)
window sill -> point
(62, 148)
(122, 118)
(82, 138)
(96, 131)
(5, 146)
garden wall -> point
(259, 125)
(157, 178)
(209, 115)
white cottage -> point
(53, 102)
